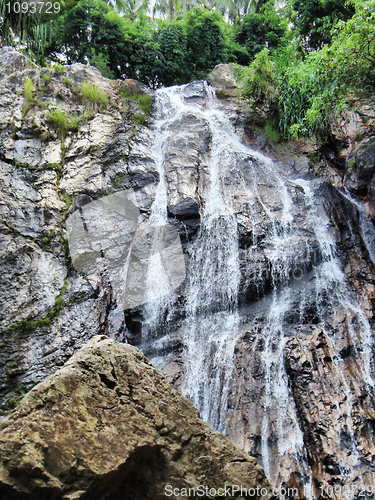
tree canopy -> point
(301, 60)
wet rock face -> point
(335, 407)
(311, 373)
(109, 425)
(361, 172)
(355, 229)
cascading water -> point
(156, 311)
(289, 265)
(212, 291)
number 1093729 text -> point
(33, 7)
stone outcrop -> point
(223, 81)
(361, 172)
(108, 425)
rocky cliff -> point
(48, 310)
(274, 342)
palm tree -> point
(237, 8)
(208, 4)
(129, 8)
(255, 6)
(169, 8)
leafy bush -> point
(103, 64)
(205, 42)
(352, 54)
(58, 68)
(171, 40)
(302, 95)
(46, 77)
(314, 20)
(145, 103)
(260, 80)
(259, 30)
(93, 94)
(272, 134)
(164, 52)
(139, 118)
(91, 31)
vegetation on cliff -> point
(302, 87)
(301, 61)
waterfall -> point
(284, 284)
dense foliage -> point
(303, 91)
(300, 63)
(260, 29)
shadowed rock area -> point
(108, 425)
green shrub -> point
(303, 95)
(139, 118)
(46, 77)
(66, 81)
(144, 100)
(28, 90)
(145, 103)
(58, 68)
(23, 326)
(59, 120)
(260, 80)
(272, 134)
(93, 94)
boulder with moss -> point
(108, 425)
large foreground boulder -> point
(108, 425)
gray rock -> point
(11, 61)
(41, 183)
(31, 280)
(223, 81)
(362, 163)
